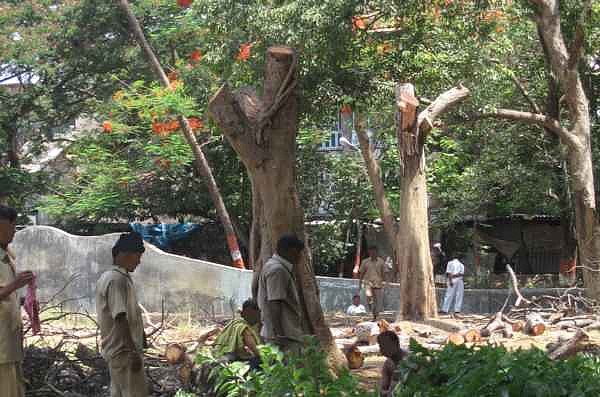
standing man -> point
(120, 320)
(11, 328)
(455, 289)
(278, 298)
(372, 272)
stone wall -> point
(184, 285)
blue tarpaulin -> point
(162, 234)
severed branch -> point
(568, 348)
(439, 106)
(515, 284)
(534, 119)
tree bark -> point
(410, 237)
(201, 162)
(262, 131)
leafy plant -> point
(304, 374)
(460, 371)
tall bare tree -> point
(410, 236)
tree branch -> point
(535, 119)
(439, 106)
(374, 172)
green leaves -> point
(461, 371)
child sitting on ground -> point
(389, 346)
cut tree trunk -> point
(201, 162)
(410, 236)
(569, 348)
(262, 130)
(534, 324)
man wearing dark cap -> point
(278, 297)
(120, 320)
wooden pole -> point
(201, 162)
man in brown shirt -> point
(11, 328)
(372, 273)
(278, 297)
(120, 320)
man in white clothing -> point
(455, 289)
(356, 308)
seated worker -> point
(389, 346)
(356, 308)
(239, 339)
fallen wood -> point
(496, 324)
(175, 353)
(534, 324)
(507, 332)
(579, 323)
(472, 336)
(355, 357)
(593, 327)
(515, 284)
(517, 325)
(456, 339)
(569, 348)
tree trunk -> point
(201, 162)
(262, 131)
(410, 237)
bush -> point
(459, 371)
(304, 375)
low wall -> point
(183, 284)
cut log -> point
(579, 323)
(456, 339)
(507, 332)
(355, 357)
(569, 348)
(496, 324)
(534, 325)
(175, 353)
(518, 326)
(472, 335)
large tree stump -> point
(534, 324)
(262, 130)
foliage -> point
(304, 374)
(460, 371)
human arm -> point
(386, 378)
(20, 281)
(275, 308)
(124, 333)
(250, 343)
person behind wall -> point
(278, 298)
(356, 308)
(439, 260)
(11, 327)
(120, 320)
(389, 345)
(239, 339)
(372, 271)
(455, 271)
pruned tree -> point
(201, 162)
(262, 130)
(410, 235)
(564, 61)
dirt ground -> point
(64, 356)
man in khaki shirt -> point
(372, 273)
(120, 320)
(278, 298)
(11, 328)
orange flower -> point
(358, 23)
(195, 56)
(195, 123)
(244, 53)
(346, 109)
(184, 3)
(107, 127)
(159, 129)
(172, 125)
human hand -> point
(23, 278)
(135, 361)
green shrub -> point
(459, 371)
(304, 375)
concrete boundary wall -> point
(185, 285)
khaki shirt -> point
(278, 283)
(372, 272)
(115, 294)
(11, 326)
